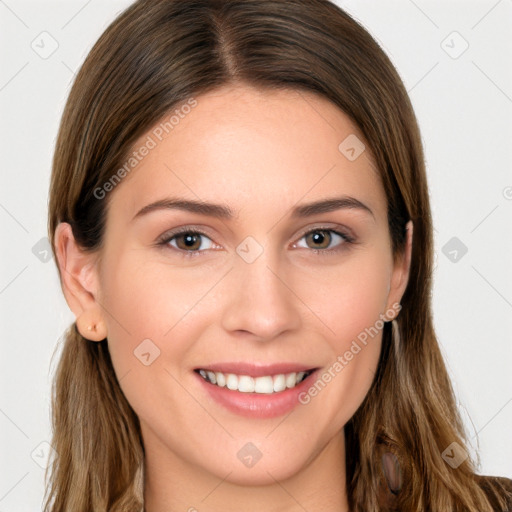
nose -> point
(260, 301)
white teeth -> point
(279, 383)
(231, 382)
(291, 379)
(265, 385)
(221, 380)
(245, 384)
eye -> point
(192, 242)
(321, 240)
(187, 240)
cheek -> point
(153, 314)
(342, 387)
(148, 314)
(346, 298)
(349, 302)
(148, 299)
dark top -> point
(503, 485)
(490, 485)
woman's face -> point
(292, 271)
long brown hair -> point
(153, 58)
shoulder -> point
(495, 485)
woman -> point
(240, 215)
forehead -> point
(251, 148)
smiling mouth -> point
(266, 384)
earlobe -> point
(79, 281)
(91, 330)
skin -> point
(261, 154)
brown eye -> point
(319, 239)
(324, 240)
(189, 242)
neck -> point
(173, 484)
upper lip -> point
(257, 370)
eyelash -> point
(167, 237)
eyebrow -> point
(224, 212)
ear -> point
(79, 281)
(401, 269)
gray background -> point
(463, 100)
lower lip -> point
(257, 405)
